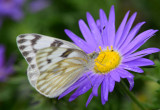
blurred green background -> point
(17, 94)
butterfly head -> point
(93, 55)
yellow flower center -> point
(107, 60)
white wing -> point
(59, 69)
(29, 44)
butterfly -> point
(54, 64)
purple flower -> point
(116, 53)
(11, 8)
(6, 68)
(38, 5)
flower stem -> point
(131, 95)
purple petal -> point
(138, 41)
(103, 19)
(2, 57)
(83, 88)
(140, 62)
(38, 5)
(73, 87)
(140, 54)
(84, 79)
(106, 87)
(9, 70)
(98, 24)
(131, 82)
(102, 92)
(126, 30)
(131, 68)
(78, 41)
(17, 14)
(132, 34)
(124, 73)
(96, 84)
(121, 29)
(111, 84)
(111, 27)
(115, 75)
(89, 99)
(103, 22)
(94, 29)
(87, 33)
(19, 2)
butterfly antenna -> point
(90, 80)
(101, 35)
(98, 42)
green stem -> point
(131, 95)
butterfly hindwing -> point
(51, 55)
(59, 68)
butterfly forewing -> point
(59, 68)
(29, 44)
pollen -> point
(107, 60)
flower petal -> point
(103, 21)
(78, 41)
(131, 35)
(102, 93)
(96, 84)
(124, 73)
(94, 29)
(120, 30)
(98, 24)
(17, 14)
(83, 88)
(89, 99)
(140, 54)
(131, 68)
(106, 87)
(38, 5)
(111, 84)
(140, 62)
(111, 27)
(138, 41)
(115, 76)
(131, 82)
(84, 79)
(2, 56)
(126, 30)
(87, 33)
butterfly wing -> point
(29, 44)
(59, 69)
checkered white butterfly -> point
(54, 64)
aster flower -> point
(116, 53)
(6, 68)
(11, 8)
(38, 5)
